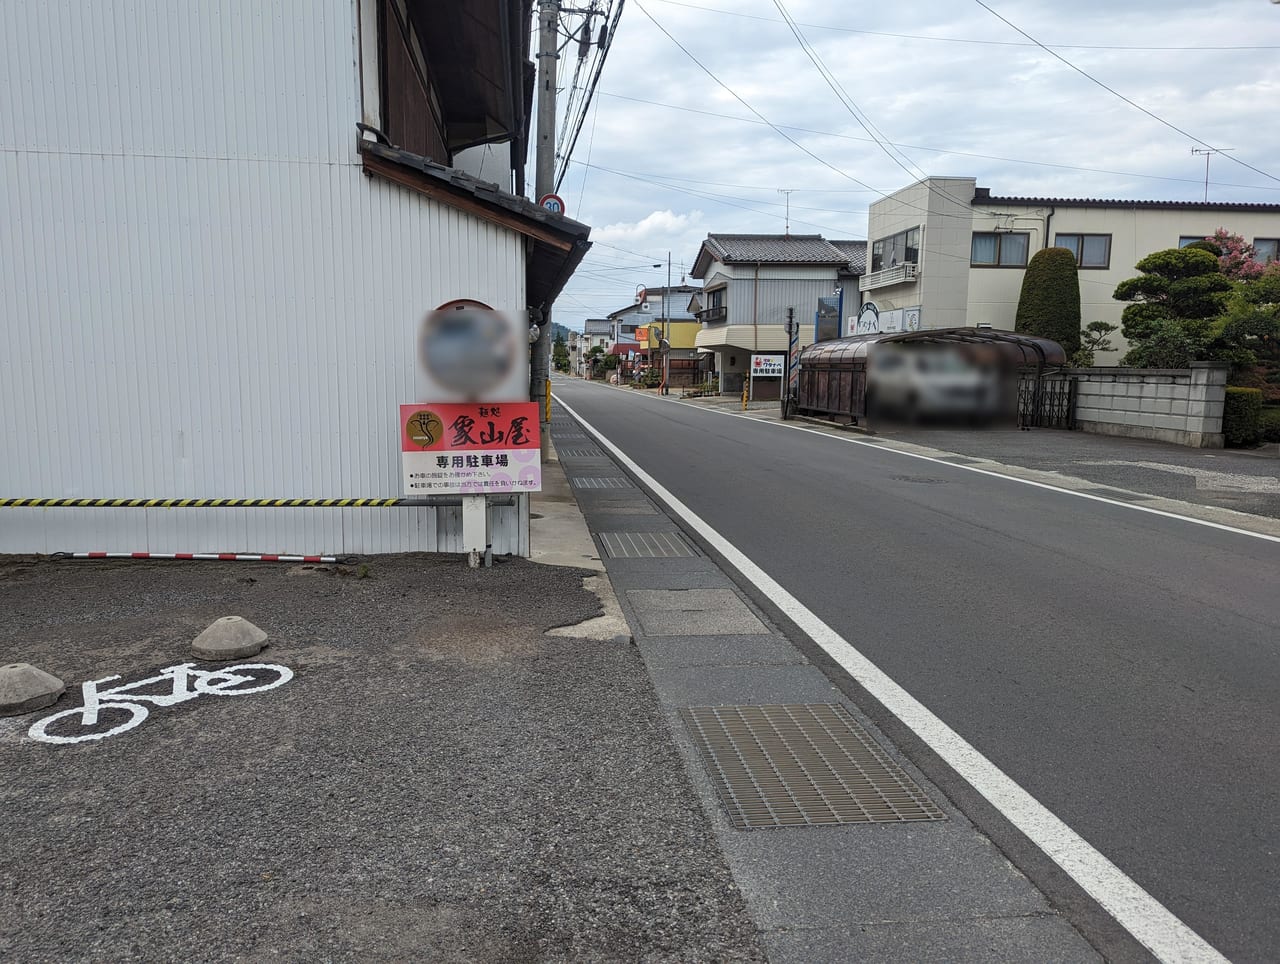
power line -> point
(842, 95)
(743, 187)
(591, 143)
(840, 232)
(729, 200)
(964, 40)
(1084, 73)
(912, 169)
(609, 30)
(774, 127)
(736, 96)
(932, 150)
(967, 217)
(659, 180)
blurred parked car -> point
(916, 382)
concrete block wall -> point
(1183, 406)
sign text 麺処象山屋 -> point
(471, 449)
(768, 366)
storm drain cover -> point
(802, 765)
(581, 453)
(609, 483)
(619, 507)
(646, 545)
(693, 612)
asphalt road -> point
(1121, 666)
(1228, 478)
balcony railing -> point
(714, 315)
(899, 274)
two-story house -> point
(946, 253)
(212, 280)
(755, 284)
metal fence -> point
(1046, 400)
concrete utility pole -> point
(666, 332)
(544, 183)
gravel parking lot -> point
(438, 780)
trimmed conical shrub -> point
(1049, 306)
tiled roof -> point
(774, 248)
(483, 190)
(766, 249)
(983, 195)
(856, 252)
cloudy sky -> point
(668, 155)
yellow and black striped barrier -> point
(201, 503)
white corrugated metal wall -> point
(201, 294)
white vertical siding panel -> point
(245, 78)
(203, 295)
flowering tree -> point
(1237, 259)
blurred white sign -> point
(473, 354)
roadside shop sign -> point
(486, 448)
(767, 366)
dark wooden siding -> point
(409, 117)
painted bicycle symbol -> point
(107, 712)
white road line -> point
(997, 475)
(1149, 921)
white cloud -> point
(663, 178)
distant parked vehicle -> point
(913, 382)
(969, 374)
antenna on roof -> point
(786, 192)
(1209, 153)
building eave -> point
(558, 244)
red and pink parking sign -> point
(474, 449)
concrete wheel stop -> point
(231, 637)
(25, 688)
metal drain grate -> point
(609, 483)
(802, 765)
(646, 545)
(581, 453)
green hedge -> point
(1270, 424)
(1242, 417)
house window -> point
(715, 299)
(1267, 249)
(1091, 250)
(900, 248)
(999, 249)
(1187, 239)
